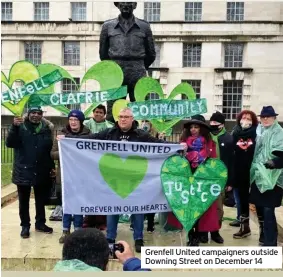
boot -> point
(65, 234)
(216, 237)
(193, 238)
(203, 237)
(261, 233)
(245, 230)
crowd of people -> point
(252, 153)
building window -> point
(41, 11)
(33, 52)
(235, 11)
(71, 53)
(233, 54)
(152, 96)
(78, 11)
(7, 11)
(191, 55)
(156, 63)
(152, 11)
(196, 84)
(232, 98)
(69, 86)
(193, 11)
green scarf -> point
(268, 140)
(215, 139)
(33, 127)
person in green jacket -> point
(97, 124)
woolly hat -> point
(34, 109)
(78, 114)
(218, 117)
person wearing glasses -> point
(266, 175)
(125, 129)
(74, 128)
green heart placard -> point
(190, 195)
(123, 176)
(149, 85)
(20, 71)
(108, 74)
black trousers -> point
(150, 219)
(244, 196)
(24, 197)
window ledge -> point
(234, 69)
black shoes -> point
(138, 245)
(203, 237)
(44, 229)
(150, 229)
(25, 232)
(215, 236)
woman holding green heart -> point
(196, 134)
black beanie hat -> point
(218, 117)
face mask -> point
(145, 127)
(245, 124)
(215, 128)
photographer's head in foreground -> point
(88, 250)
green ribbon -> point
(89, 97)
(33, 87)
(167, 109)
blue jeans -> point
(270, 227)
(67, 221)
(112, 224)
(237, 200)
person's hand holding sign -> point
(184, 146)
(18, 121)
(59, 137)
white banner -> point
(111, 177)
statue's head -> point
(126, 8)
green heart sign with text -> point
(107, 73)
(20, 71)
(147, 85)
(123, 176)
(190, 195)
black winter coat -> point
(244, 145)
(226, 149)
(32, 162)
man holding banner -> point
(124, 130)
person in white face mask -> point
(244, 136)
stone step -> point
(8, 193)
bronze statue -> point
(128, 41)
